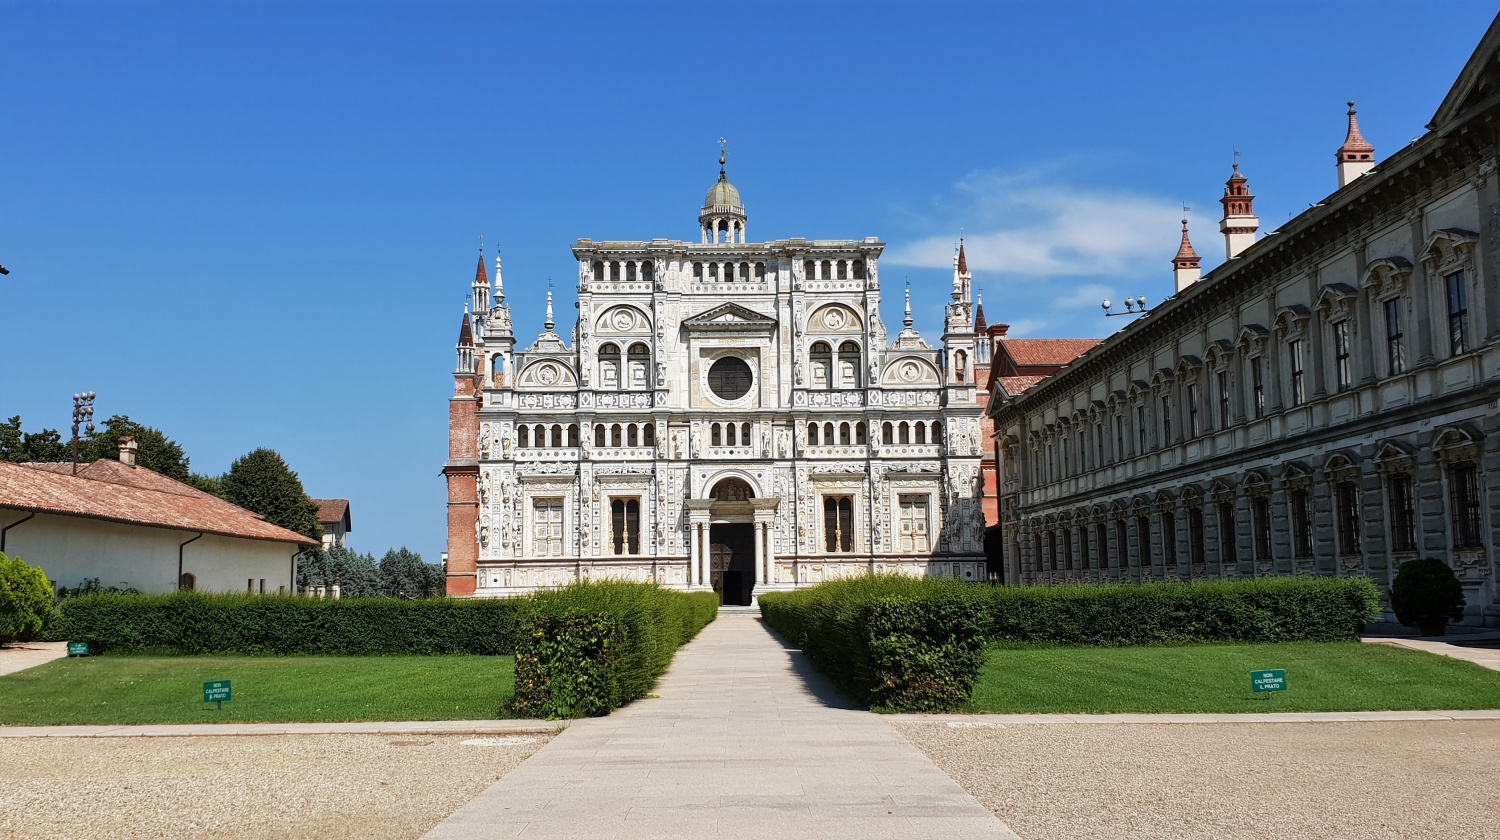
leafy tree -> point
(404, 575)
(25, 600)
(213, 485)
(11, 448)
(355, 574)
(154, 450)
(20, 447)
(262, 482)
(1426, 594)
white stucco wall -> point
(70, 549)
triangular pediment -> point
(1478, 85)
(730, 316)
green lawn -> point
(1336, 677)
(169, 689)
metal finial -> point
(723, 154)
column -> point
(705, 556)
(693, 577)
(760, 553)
(770, 555)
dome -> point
(722, 194)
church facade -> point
(724, 415)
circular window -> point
(729, 378)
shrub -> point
(25, 600)
(590, 648)
(913, 644)
(1427, 595)
(207, 623)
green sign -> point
(1263, 681)
(216, 692)
(78, 648)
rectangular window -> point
(1348, 507)
(1258, 386)
(1169, 539)
(1068, 548)
(625, 526)
(1119, 437)
(1036, 547)
(1195, 536)
(1228, 550)
(1302, 523)
(1463, 491)
(1140, 428)
(1342, 375)
(1052, 549)
(249, 584)
(1101, 538)
(1260, 513)
(1295, 356)
(914, 524)
(838, 523)
(1166, 422)
(1085, 555)
(1099, 444)
(1395, 347)
(1142, 541)
(1403, 515)
(1222, 378)
(1062, 457)
(1122, 544)
(1458, 313)
(547, 527)
(1192, 407)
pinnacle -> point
(1354, 141)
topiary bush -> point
(1426, 594)
(25, 600)
(590, 648)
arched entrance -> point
(731, 537)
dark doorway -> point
(732, 558)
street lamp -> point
(1129, 307)
(83, 410)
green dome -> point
(721, 194)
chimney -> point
(1186, 266)
(1239, 224)
(127, 450)
(1356, 156)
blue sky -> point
(254, 224)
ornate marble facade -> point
(724, 414)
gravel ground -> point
(283, 786)
(1321, 781)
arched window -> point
(828, 437)
(843, 269)
(599, 271)
(960, 365)
(557, 436)
(838, 523)
(639, 360)
(614, 271)
(760, 271)
(697, 271)
(713, 271)
(887, 433)
(573, 435)
(648, 434)
(849, 366)
(937, 432)
(526, 436)
(599, 439)
(859, 269)
(609, 366)
(905, 432)
(827, 270)
(822, 366)
(812, 434)
(744, 434)
(844, 434)
(497, 369)
(745, 271)
(647, 271)
(731, 435)
(809, 269)
(859, 433)
(632, 435)
(616, 436)
(188, 582)
(921, 432)
(716, 435)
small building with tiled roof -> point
(133, 528)
(333, 515)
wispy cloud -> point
(1033, 224)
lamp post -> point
(83, 411)
(1129, 307)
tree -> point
(213, 485)
(154, 450)
(262, 482)
(355, 574)
(19, 447)
(404, 575)
(1427, 595)
(25, 600)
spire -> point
(979, 322)
(499, 285)
(1186, 266)
(906, 321)
(1239, 223)
(1356, 156)
(549, 323)
(465, 330)
(480, 292)
(963, 262)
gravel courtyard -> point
(1406, 780)
(302, 786)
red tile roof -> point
(111, 491)
(1047, 351)
(334, 510)
(1014, 385)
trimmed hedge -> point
(914, 644)
(590, 648)
(211, 623)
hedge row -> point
(210, 623)
(914, 644)
(591, 648)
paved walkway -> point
(414, 727)
(1482, 656)
(19, 656)
(744, 741)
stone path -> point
(744, 741)
(183, 730)
(1483, 656)
(19, 656)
